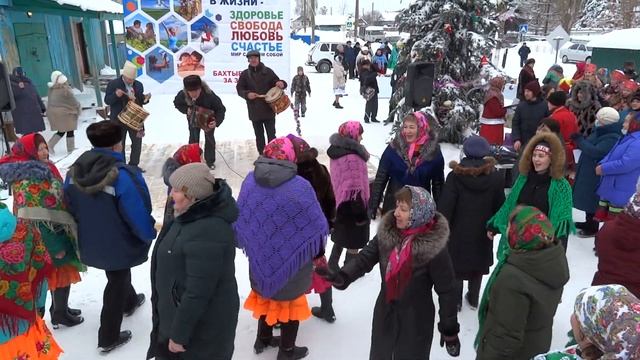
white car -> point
(321, 56)
(575, 53)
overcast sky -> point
(387, 5)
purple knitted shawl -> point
(280, 230)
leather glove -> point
(336, 278)
(452, 344)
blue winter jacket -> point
(620, 171)
(110, 202)
(350, 55)
(594, 148)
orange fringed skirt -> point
(36, 344)
(63, 276)
(277, 311)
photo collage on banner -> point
(171, 39)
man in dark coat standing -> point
(204, 111)
(27, 116)
(257, 80)
(528, 115)
(524, 52)
(119, 92)
(111, 204)
(350, 57)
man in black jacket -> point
(369, 79)
(254, 81)
(528, 115)
(119, 92)
(204, 110)
(524, 52)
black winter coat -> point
(473, 192)
(194, 291)
(260, 80)
(369, 78)
(116, 103)
(404, 329)
(27, 116)
(527, 118)
(522, 304)
(207, 99)
(351, 225)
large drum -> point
(133, 115)
(278, 100)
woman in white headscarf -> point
(63, 111)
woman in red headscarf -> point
(37, 187)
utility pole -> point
(304, 14)
(356, 24)
(313, 22)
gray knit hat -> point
(195, 180)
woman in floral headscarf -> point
(411, 248)
(186, 154)
(412, 158)
(37, 187)
(25, 263)
(524, 290)
(281, 228)
(605, 323)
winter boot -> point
(325, 311)
(71, 143)
(52, 143)
(125, 337)
(140, 298)
(261, 344)
(338, 106)
(288, 349)
(60, 314)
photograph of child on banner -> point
(190, 63)
(173, 33)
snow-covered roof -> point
(618, 39)
(331, 20)
(94, 5)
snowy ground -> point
(348, 337)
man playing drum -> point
(253, 84)
(204, 111)
(119, 92)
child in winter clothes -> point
(318, 176)
(380, 62)
(524, 290)
(411, 248)
(300, 87)
(350, 181)
(473, 192)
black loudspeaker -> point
(419, 88)
(7, 102)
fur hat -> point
(192, 82)
(557, 98)
(129, 70)
(530, 61)
(194, 180)
(476, 147)
(104, 134)
(558, 154)
(607, 115)
(534, 87)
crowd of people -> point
(434, 232)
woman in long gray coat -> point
(27, 116)
(63, 111)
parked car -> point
(575, 53)
(321, 56)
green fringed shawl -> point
(560, 215)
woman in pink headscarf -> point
(412, 158)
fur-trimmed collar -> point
(206, 90)
(425, 246)
(427, 152)
(558, 156)
(107, 180)
(485, 169)
(349, 145)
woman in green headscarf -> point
(524, 290)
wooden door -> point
(33, 49)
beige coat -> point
(63, 109)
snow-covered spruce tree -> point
(454, 35)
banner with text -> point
(171, 39)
